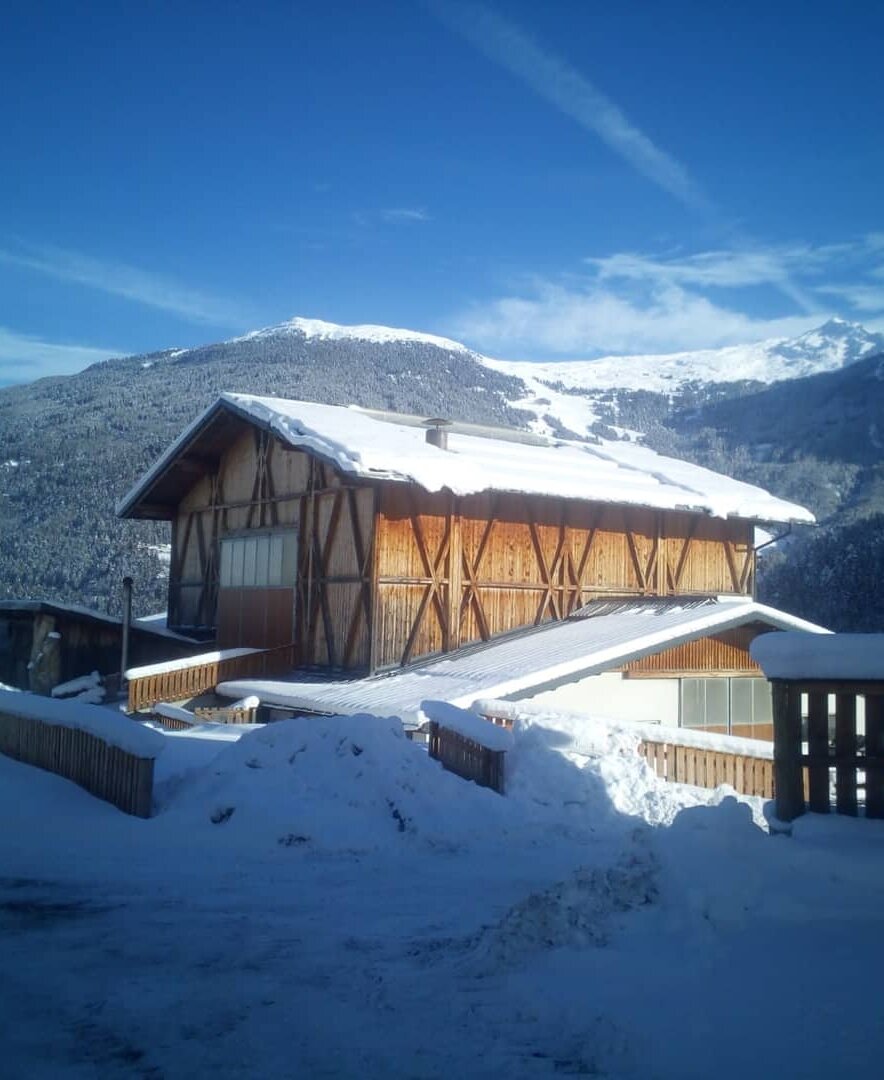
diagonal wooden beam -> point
(636, 561)
(675, 578)
(730, 554)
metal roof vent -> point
(437, 434)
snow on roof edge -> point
(310, 437)
(847, 657)
(714, 618)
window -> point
(736, 706)
(260, 561)
(704, 704)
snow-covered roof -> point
(853, 657)
(528, 662)
(370, 446)
(150, 625)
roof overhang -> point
(198, 450)
(195, 453)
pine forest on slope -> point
(70, 446)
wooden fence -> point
(709, 768)
(181, 683)
(838, 756)
(467, 758)
(675, 756)
(104, 770)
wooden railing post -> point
(875, 754)
(788, 779)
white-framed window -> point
(263, 560)
(725, 704)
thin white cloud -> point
(405, 215)
(129, 282)
(708, 269)
(592, 318)
(563, 86)
(740, 267)
(867, 299)
(24, 358)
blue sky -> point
(540, 181)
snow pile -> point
(796, 655)
(573, 913)
(114, 728)
(87, 689)
(591, 733)
(603, 767)
(468, 724)
(353, 784)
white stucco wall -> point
(653, 701)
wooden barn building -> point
(373, 541)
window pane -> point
(691, 703)
(262, 553)
(274, 569)
(762, 703)
(248, 574)
(716, 703)
(741, 702)
(236, 563)
(226, 562)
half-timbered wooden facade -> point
(371, 543)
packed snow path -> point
(401, 923)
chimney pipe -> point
(436, 433)
(127, 622)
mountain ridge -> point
(828, 347)
(71, 445)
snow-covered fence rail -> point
(704, 767)
(835, 680)
(467, 745)
(678, 755)
(107, 755)
(185, 678)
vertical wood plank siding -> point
(451, 571)
(727, 652)
(103, 770)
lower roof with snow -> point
(527, 662)
(373, 446)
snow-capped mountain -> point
(833, 345)
(573, 396)
(318, 329)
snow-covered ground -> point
(319, 899)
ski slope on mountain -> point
(834, 345)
